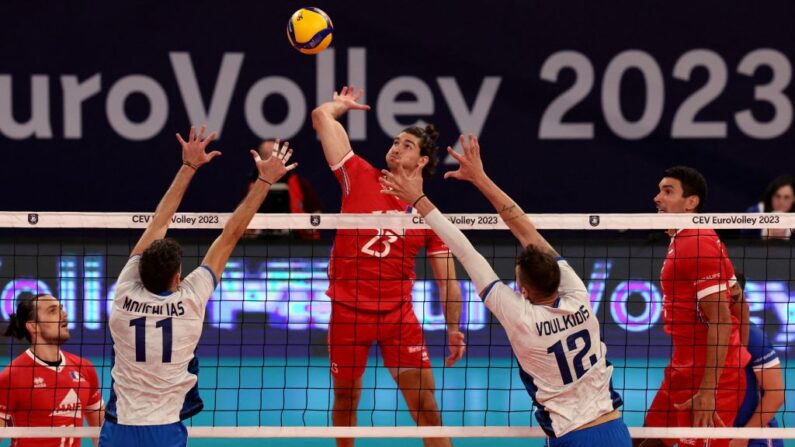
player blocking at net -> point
(552, 328)
(157, 319)
(371, 274)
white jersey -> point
(154, 338)
(560, 353)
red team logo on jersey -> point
(33, 394)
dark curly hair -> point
(159, 263)
(428, 147)
(26, 311)
(539, 271)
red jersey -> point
(373, 269)
(696, 266)
(34, 394)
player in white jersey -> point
(157, 319)
(551, 326)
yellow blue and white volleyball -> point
(310, 30)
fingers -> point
(255, 154)
(473, 145)
(209, 139)
(454, 154)
(717, 420)
(686, 405)
(463, 143)
(192, 133)
(291, 167)
(452, 174)
(388, 174)
(201, 132)
(213, 154)
(181, 141)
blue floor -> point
(478, 391)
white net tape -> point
(649, 221)
(408, 432)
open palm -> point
(193, 150)
(349, 98)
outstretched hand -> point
(193, 150)
(470, 165)
(406, 184)
(274, 167)
(348, 97)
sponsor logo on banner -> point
(314, 220)
(33, 218)
(594, 221)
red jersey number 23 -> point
(381, 244)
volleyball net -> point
(264, 365)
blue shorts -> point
(612, 434)
(767, 442)
(118, 435)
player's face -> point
(782, 199)
(51, 321)
(405, 151)
(670, 199)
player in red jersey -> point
(704, 383)
(371, 274)
(45, 386)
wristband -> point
(262, 179)
(190, 165)
(414, 205)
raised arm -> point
(193, 157)
(471, 170)
(270, 171)
(332, 135)
(408, 187)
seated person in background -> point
(779, 197)
(292, 194)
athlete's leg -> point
(406, 356)
(346, 401)
(350, 336)
(417, 386)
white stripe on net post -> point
(407, 432)
(641, 221)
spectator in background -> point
(779, 197)
(292, 194)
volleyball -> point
(310, 30)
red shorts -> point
(352, 332)
(678, 388)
